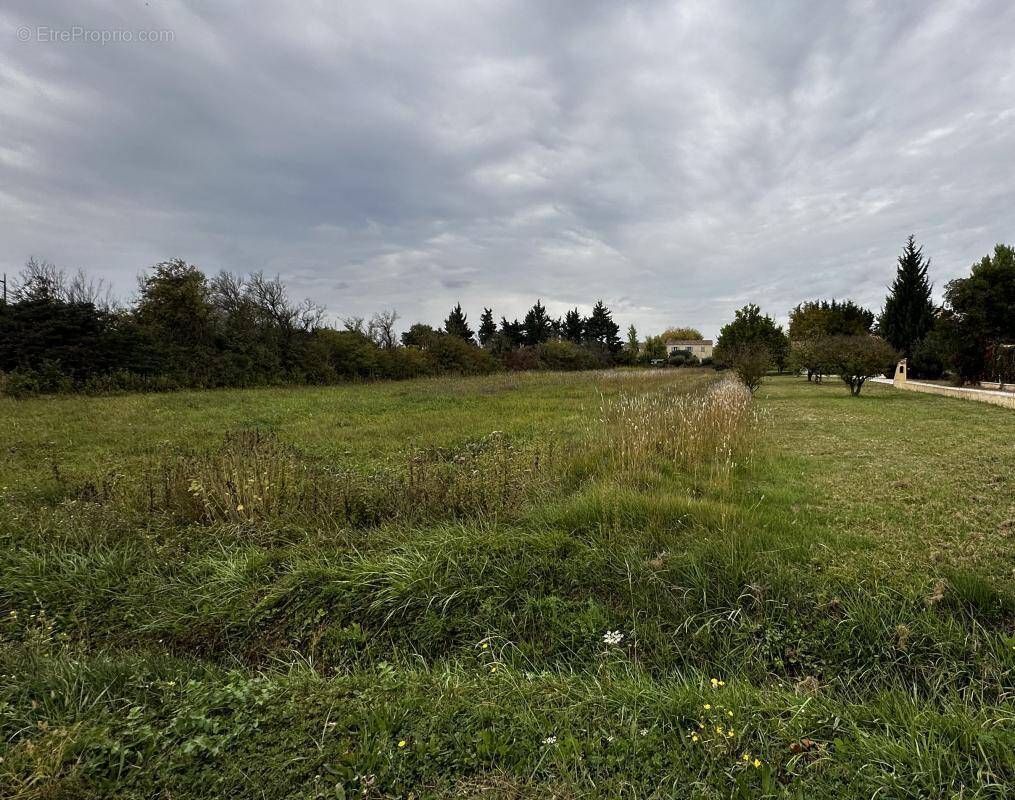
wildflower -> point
(746, 757)
(613, 637)
(694, 737)
(486, 646)
(493, 668)
(716, 683)
(643, 731)
(729, 713)
(718, 729)
(239, 507)
(707, 706)
(402, 743)
(551, 739)
(756, 763)
(730, 733)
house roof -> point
(688, 341)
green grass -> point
(405, 575)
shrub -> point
(749, 360)
(19, 383)
(857, 358)
(454, 354)
(564, 355)
(682, 358)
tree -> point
(574, 327)
(174, 309)
(655, 349)
(823, 318)
(750, 361)
(420, 335)
(857, 358)
(457, 324)
(487, 328)
(810, 355)
(982, 312)
(681, 334)
(908, 314)
(511, 334)
(538, 326)
(601, 330)
(382, 329)
(633, 345)
(751, 327)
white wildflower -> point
(550, 740)
(613, 637)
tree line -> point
(970, 337)
(61, 333)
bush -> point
(564, 355)
(857, 358)
(682, 358)
(927, 361)
(453, 354)
(19, 383)
(749, 360)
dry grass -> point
(253, 477)
(706, 432)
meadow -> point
(641, 584)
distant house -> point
(699, 348)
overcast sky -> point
(677, 159)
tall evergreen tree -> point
(600, 329)
(457, 324)
(487, 327)
(512, 333)
(574, 327)
(538, 325)
(908, 315)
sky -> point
(675, 159)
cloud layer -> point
(675, 159)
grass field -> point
(533, 585)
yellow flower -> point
(402, 743)
(746, 757)
(729, 713)
(239, 507)
(707, 706)
(756, 763)
(493, 669)
(486, 646)
(718, 728)
(694, 737)
(730, 733)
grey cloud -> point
(675, 159)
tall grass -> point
(254, 477)
(706, 432)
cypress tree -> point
(908, 315)
(600, 329)
(457, 324)
(487, 327)
(538, 325)
(573, 328)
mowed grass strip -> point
(806, 561)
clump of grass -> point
(706, 432)
(253, 477)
